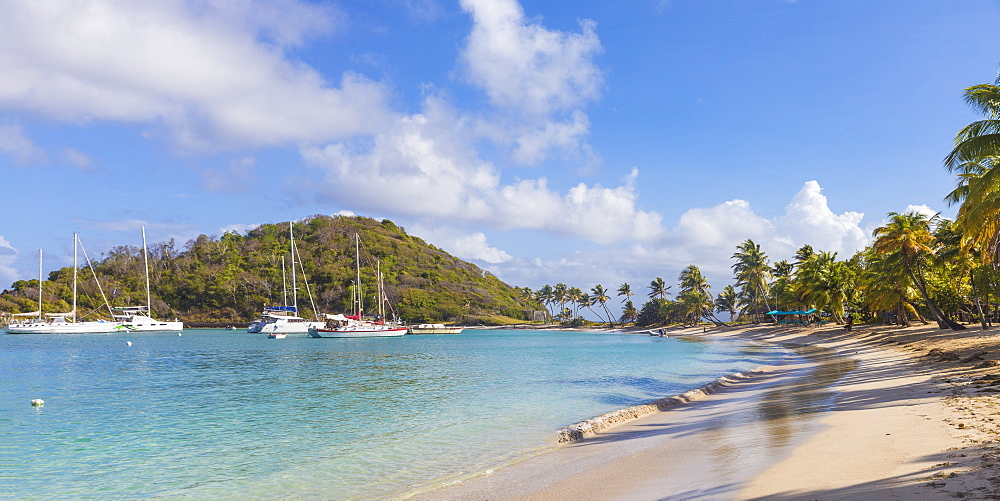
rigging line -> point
(91, 265)
(295, 249)
(379, 280)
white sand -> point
(866, 423)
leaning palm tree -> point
(600, 296)
(909, 236)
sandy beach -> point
(877, 413)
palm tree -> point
(803, 253)
(560, 294)
(781, 289)
(625, 290)
(887, 287)
(629, 313)
(545, 297)
(752, 273)
(823, 283)
(726, 301)
(691, 280)
(600, 296)
(956, 262)
(980, 139)
(574, 294)
(658, 288)
(976, 153)
(695, 296)
(909, 236)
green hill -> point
(228, 280)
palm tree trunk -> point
(979, 304)
(596, 313)
(610, 323)
(901, 317)
(943, 321)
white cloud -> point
(809, 220)
(705, 237)
(464, 245)
(208, 74)
(920, 209)
(537, 79)
(525, 67)
(77, 158)
(19, 147)
(239, 229)
(424, 167)
(8, 255)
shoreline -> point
(908, 419)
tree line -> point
(228, 279)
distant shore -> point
(909, 413)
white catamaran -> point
(58, 323)
(279, 321)
(341, 326)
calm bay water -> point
(223, 414)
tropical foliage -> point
(230, 278)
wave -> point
(589, 427)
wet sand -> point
(845, 420)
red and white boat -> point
(353, 326)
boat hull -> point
(436, 330)
(356, 332)
(151, 326)
(66, 328)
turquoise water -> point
(219, 414)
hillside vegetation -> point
(229, 279)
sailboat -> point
(279, 321)
(353, 326)
(140, 318)
(57, 323)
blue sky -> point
(581, 141)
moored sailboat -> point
(356, 326)
(140, 318)
(58, 323)
(279, 321)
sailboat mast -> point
(284, 282)
(75, 237)
(357, 262)
(378, 270)
(145, 260)
(39, 284)
(295, 297)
